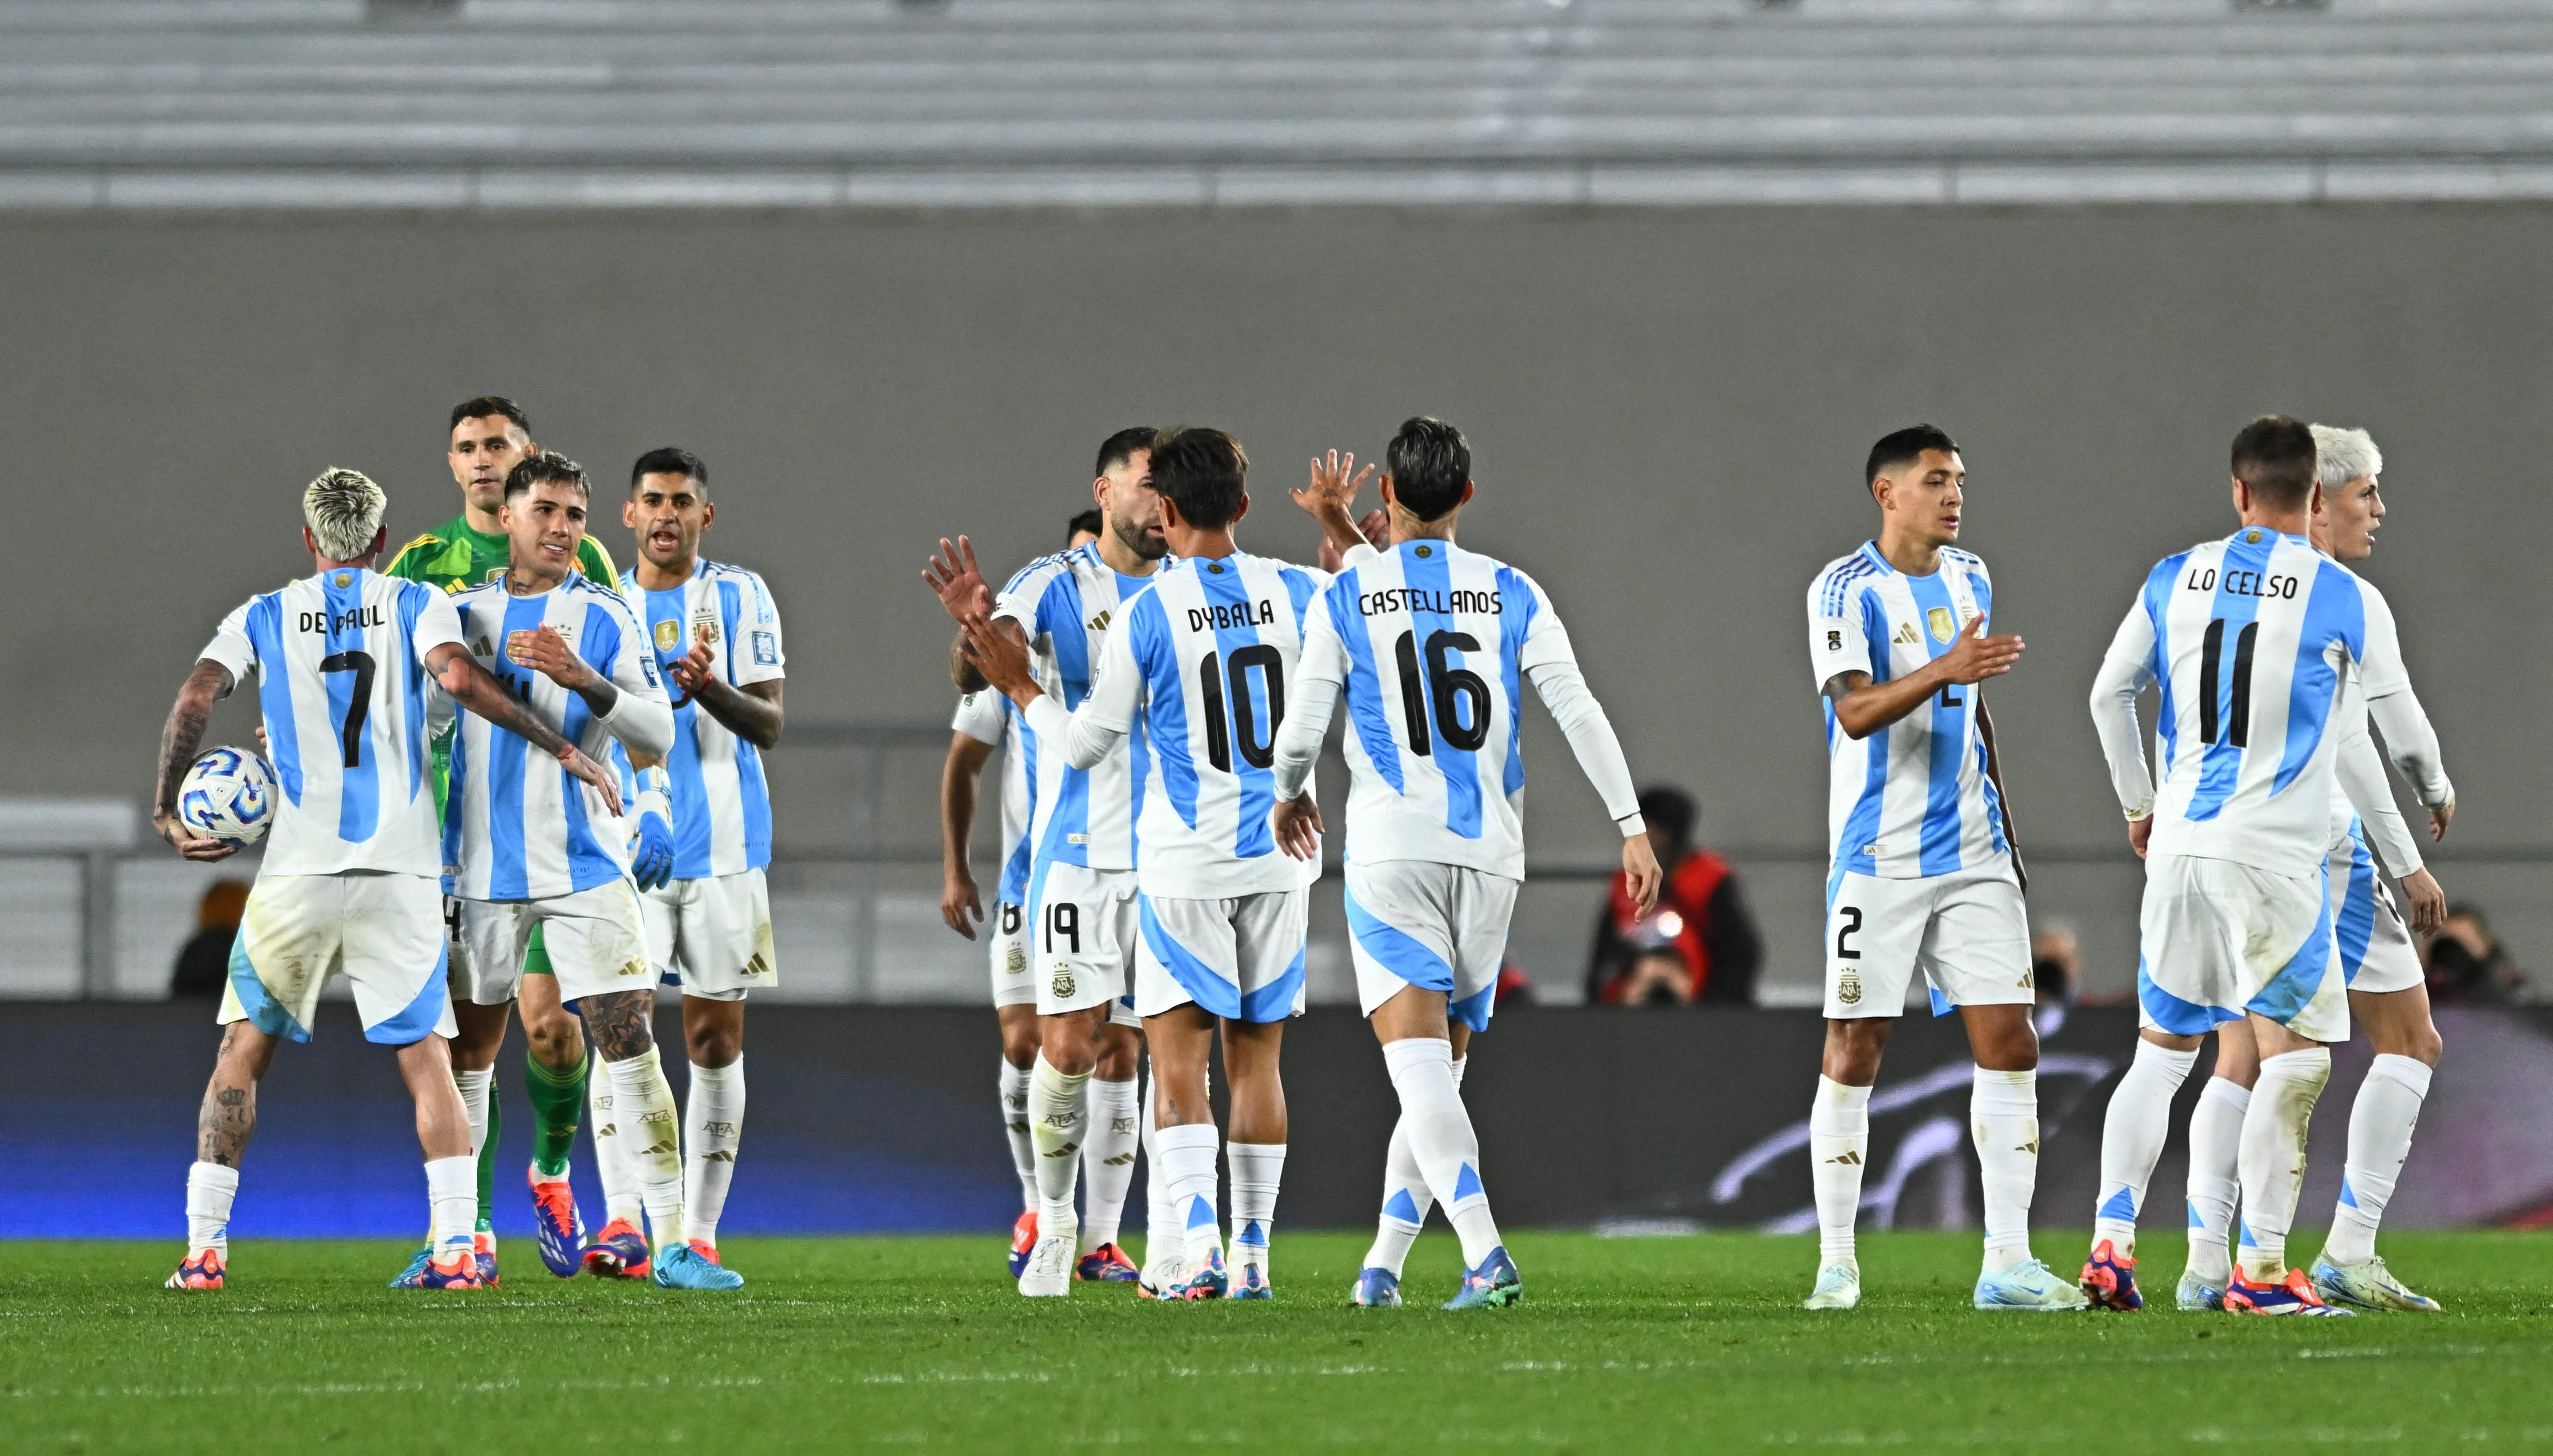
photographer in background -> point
(1700, 943)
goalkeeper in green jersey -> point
(488, 436)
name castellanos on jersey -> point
(1444, 602)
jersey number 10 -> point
(1219, 734)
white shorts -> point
(2219, 938)
(1012, 983)
(2369, 935)
(596, 939)
(711, 936)
(1240, 958)
(1082, 946)
(1438, 927)
(384, 931)
(1966, 931)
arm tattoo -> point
(480, 692)
(619, 1023)
(183, 733)
(600, 695)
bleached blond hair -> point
(2343, 455)
(344, 510)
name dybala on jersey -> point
(343, 684)
(522, 826)
(722, 800)
(1200, 664)
(1432, 644)
(1913, 799)
(1067, 604)
(2254, 639)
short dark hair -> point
(1120, 447)
(1088, 520)
(2274, 455)
(488, 406)
(1905, 447)
(1200, 471)
(1429, 462)
(549, 468)
(1670, 813)
(671, 460)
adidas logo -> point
(1853, 1159)
(717, 1156)
(1120, 1161)
(1098, 624)
(2031, 1147)
(1066, 1150)
(653, 1149)
(1906, 634)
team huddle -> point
(488, 797)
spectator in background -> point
(1700, 943)
(2056, 969)
(2468, 964)
(204, 962)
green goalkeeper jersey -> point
(455, 556)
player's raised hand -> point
(1376, 526)
(1976, 656)
(1001, 657)
(1640, 873)
(953, 577)
(606, 783)
(1298, 827)
(959, 905)
(691, 672)
(544, 652)
(2428, 902)
(1334, 483)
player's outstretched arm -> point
(959, 905)
(642, 721)
(1863, 708)
(1330, 499)
(475, 688)
(179, 739)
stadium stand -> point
(502, 103)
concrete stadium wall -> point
(1669, 412)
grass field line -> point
(364, 1388)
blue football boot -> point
(454, 1267)
(1206, 1279)
(2109, 1279)
(1495, 1284)
(1375, 1289)
(557, 1226)
(682, 1268)
(417, 1263)
(1108, 1265)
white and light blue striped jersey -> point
(722, 801)
(1067, 604)
(2252, 639)
(1913, 799)
(1202, 662)
(994, 722)
(516, 824)
(1432, 644)
(342, 681)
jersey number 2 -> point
(2211, 648)
(359, 706)
(1456, 693)
(1245, 712)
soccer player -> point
(487, 437)
(2379, 963)
(717, 638)
(1081, 874)
(348, 882)
(1430, 645)
(1203, 659)
(2256, 639)
(987, 720)
(532, 852)
(1923, 873)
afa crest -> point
(1848, 988)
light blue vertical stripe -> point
(1861, 826)
(598, 643)
(1156, 658)
(414, 598)
(275, 692)
(1946, 741)
(1254, 787)
(2355, 923)
(2334, 611)
(1517, 605)
(1432, 582)
(509, 873)
(359, 796)
(1015, 874)
(683, 764)
(2220, 764)
(1364, 690)
(2158, 603)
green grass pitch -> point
(1674, 1343)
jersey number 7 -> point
(358, 703)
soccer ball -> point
(229, 795)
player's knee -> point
(2420, 1043)
(1020, 1046)
(712, 1046)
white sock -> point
(2380, 1138)
(1164, 1240)
(612, 1164)
(210, 1188)
(1187, 1165)
(712, 1125)
(1839, 1150)
(1256, 1168)
(2273, 1161)
(1015, 1124)
(1108, 1159)
(1058, 1113)
(1442, 1139)
(475, 1088)
(652, 1136)
(2003, 1122)
(452, 1192)
(2132, 1139)
(1406, 1199)
(2215, 1151)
